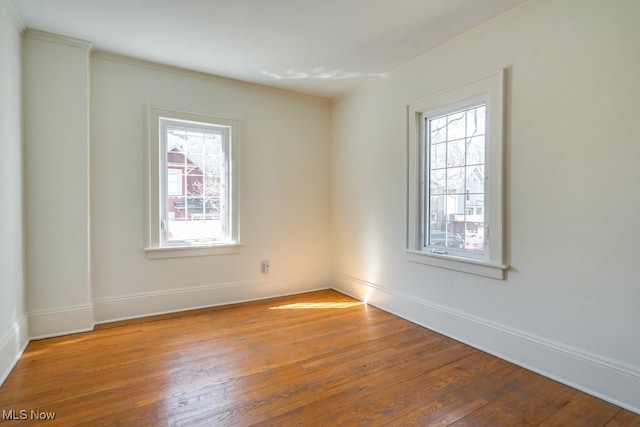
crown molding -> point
(157, 66)
(13, 14)
(55, 38)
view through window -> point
(195, 195)
(456, 177)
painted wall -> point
(56, 95)
(13, 317)
(284, 191)
(569, 304)
(86, 137)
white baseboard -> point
(152, 303)
(12, 345)
(61, 321)
(608, 379)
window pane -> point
(456, 153)
(455, 206)
(197, 167)
(474, 204)
(456, 125)
(438, 181)
(176, 207)
(474, 239)
(476, 121)
(441, 237)
(437, 209)
(438, 156)
(455, 180)
(475, 150)
(475, 179)
(436, 217)
(453, 240)
(174, 182)
(438, 129)
(195, 161)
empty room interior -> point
(464, 168)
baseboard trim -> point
(60, 321)
(605, 378)
(152, 303)
(12, 345)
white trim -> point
(189, 251)
(60, 321)
(12, 345)
(132, 306)
(612, 380)
(465, 265)
(58, 39)
(155, 66)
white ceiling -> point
(320, 48)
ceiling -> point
(321, 48)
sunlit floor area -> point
(317, 359)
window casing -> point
(456, 178)
(192, 181)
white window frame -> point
(488, 90)
(156, 180)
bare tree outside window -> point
(456, 144)
(197, 214)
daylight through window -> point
(193, 193)
(455, 208)
(456, 177)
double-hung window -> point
(455, 178)
(193, 200)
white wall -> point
(56, 85)
(13, 317)
(569, 305)
(284, 191)
(85, 133)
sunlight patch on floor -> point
(317, 305)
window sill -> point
(465, 265)
(191, 251)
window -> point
(193, 191)
(455, 178)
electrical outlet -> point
(265, 265)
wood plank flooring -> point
(316, 359)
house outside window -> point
(174, 181)
(193, 191)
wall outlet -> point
(265, 265)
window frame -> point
(488, 90)
(157, 183)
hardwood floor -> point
(318, 359)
